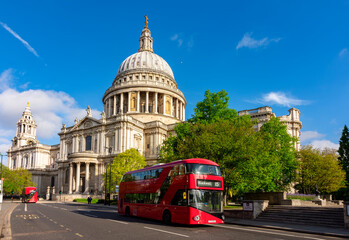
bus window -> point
(179, 199)
(181, 169)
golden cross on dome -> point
(146, 21)
(27, 104)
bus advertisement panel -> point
(30, 195)
(185, 191)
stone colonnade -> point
(145, 102)
(84, 177)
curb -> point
(291, 230)
(6, 232)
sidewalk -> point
(326, 231)
(5, 215)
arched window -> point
(88, 143)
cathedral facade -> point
(141, 108)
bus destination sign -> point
(208, 183)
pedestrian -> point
(89, 200)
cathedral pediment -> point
(86, 123)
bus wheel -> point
(166, 217)
(127, 212)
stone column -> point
(180, 111)
(70, 178)
(119, 140)
(96, 178)
(114, 107)
(83, 143)
(147, 102)
(156, 103)
(110, 107)
(122, 103)
(138, 101)
(77, 176)
(183, 112)
(176, 113)
(87, 178)
(129, 102)
(171, 111)
(164, 104)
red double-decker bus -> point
(30, 195)
(185, 191)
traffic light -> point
(13, 192)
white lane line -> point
(159, 230)
(269, 232)
(118, 221)
(64, 209)
(78, 234)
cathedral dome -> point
(146, 60)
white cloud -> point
(249, 42)
(343, 52)
(180, 39)
(323, 144)
(26, 44)
(50, 109)
(280, 98)
(307, 135)
(5, 78)
(177, 39)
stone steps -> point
(317, 216)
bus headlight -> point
(196, 218)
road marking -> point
(159, 230)
(64, 209)
(68, 229)
(61, 226)
(118, 221)
(268, 232)
(36, 233)
(78, 234)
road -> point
(80, 221)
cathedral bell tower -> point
(26, 129)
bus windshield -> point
(204, 169)
(206, 200)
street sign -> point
(117, 188)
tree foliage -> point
(16, 180)
(215, 106)
(250, 160)
(343, 151)
(319, 169)
(124, 162)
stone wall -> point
(274, 198)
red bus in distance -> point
(185, 192)
(30, 195)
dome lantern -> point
(146, 41)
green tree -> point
(16, 180)
(319, 169)
(281, 147)
(215, 106)
(250, 160)
(124, 162)
(344, 151)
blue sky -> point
(62, 56)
